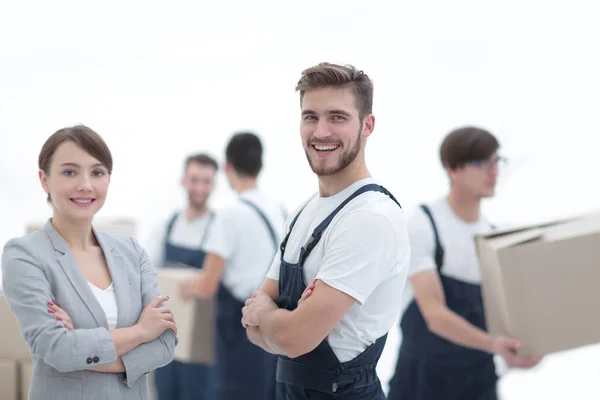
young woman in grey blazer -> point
(88, 303)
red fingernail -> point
(51, 311)
(60, 319)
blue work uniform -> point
(319, 374)
(430, 367)
(181, 380)
(245, 370)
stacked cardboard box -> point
(540, 284)
(15, 360)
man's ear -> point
(368, 126)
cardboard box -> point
(9, 388)
(26, 373)
(12, 344)
(540, 284)
(195, 318)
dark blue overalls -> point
(246, 371)
(430, 367)
(319, 374)
(178, 380)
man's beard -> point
(197, 205)
(345, 159)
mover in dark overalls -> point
(350, 239)
(243, 240)
(181, 241)
(445, 352)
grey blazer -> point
(39, 267)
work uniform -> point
(246, 235)
(182, 242)
(430, 367)
(355, 241)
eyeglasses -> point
(488, 164)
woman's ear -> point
(44, 181)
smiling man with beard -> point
(349, 241)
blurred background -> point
(162, 80)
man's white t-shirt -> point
(186, 233)
(460, 255)
(240, 236)
(457, 239)
(364, 253)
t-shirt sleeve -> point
(274, 269)
(422, 243)
(359, 252)
(155, 245)
(223, 235)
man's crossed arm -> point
(294, 333)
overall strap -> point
(170, 226)
(287, 236)
(211, 217)
(439, 250)
(316, 235)
(265, 219)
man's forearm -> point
(275, 328)
(454, 328)
(256, 337)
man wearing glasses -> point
(446, 353)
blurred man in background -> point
(181, 240)
(446, 353)
(243, 241)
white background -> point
(159, 80)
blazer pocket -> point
(55, 388)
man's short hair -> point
(339, 76)
(202, 159)
(467, 144)
(244, 153)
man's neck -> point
(466, 207)
(244, 184)
(333, 184)
(195, 212)
(78, 235)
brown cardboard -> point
(12, 345)
(9, 389)
(26, 373)
(194, 318)
(540, 284)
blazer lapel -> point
(120, 279)
(73, 272)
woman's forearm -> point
(126, 339)
(114, 368)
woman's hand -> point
(155, 320)
(60, 314)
